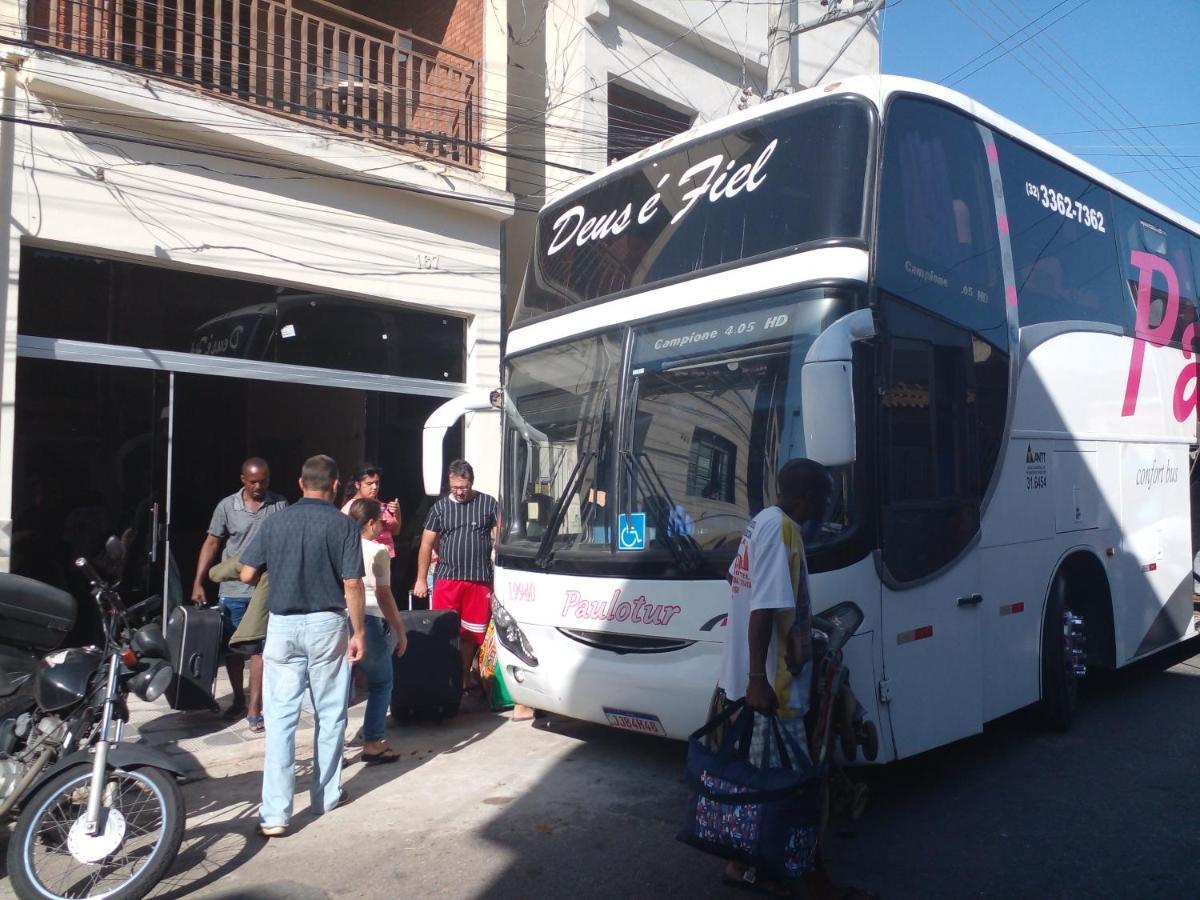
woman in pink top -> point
(365, 486)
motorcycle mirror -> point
(150, 683)
(149, 642)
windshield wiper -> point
(545, 553)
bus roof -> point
(878, 89)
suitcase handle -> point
(193, 664)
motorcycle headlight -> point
(510, 634)
(149, 642)
(150, 683)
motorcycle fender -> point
(120, 756)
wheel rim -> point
(55, 872)
(1074, 655)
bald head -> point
(256, 478)
(804, 489)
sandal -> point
(386, 755)
(233, 713)
(256, 724)
(748, 881)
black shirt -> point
(309, 548)
(464, 531)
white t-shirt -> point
(378, 571)
(768, 573)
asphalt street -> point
(486, 807)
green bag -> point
(501, 701)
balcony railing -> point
(339, 70)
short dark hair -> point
(804, 479)
(319, 473)
(363, 511)
(460, 468)
(255, 462)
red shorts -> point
(470, 599)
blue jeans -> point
(377, 666)
(304, 653)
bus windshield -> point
(710, 408)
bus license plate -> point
(634, 721)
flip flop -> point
(384, 756)
(256, 724)
(233, 713)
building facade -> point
(237, 228)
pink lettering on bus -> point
(1184, 399)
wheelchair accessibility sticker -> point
(631, 531)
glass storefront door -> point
(90, 461)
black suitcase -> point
(427, 679)
(194, 638)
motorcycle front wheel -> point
(51, 855)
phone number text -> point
(1065, 206)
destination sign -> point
(773, 183)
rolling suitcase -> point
(194, 639)
(427, 679)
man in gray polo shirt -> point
(235, 521)
(314, 556)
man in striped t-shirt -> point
(461, 527)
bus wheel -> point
(1063, 659)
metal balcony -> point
(339, 70)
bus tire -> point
(1060, 684)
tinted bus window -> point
(938, 243)
(765, 186)
(1156, 258)
(1063, 242)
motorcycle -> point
(97, 817)
(837, 712)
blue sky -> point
(1099, 71)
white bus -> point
(987, 341)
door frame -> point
(173, 362)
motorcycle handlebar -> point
(89, 573)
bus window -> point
(1062, 232)
(937, 243)
(1168, 250)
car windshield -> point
(710, 409)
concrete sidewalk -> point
(205, 744)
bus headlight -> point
(510, 635)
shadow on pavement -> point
(1014, 812)
(220, 837)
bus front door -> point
(932, 659)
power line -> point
(1039, 76)
(237, 157)
(1000, 43)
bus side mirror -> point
(827, 390)
(433, 466)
